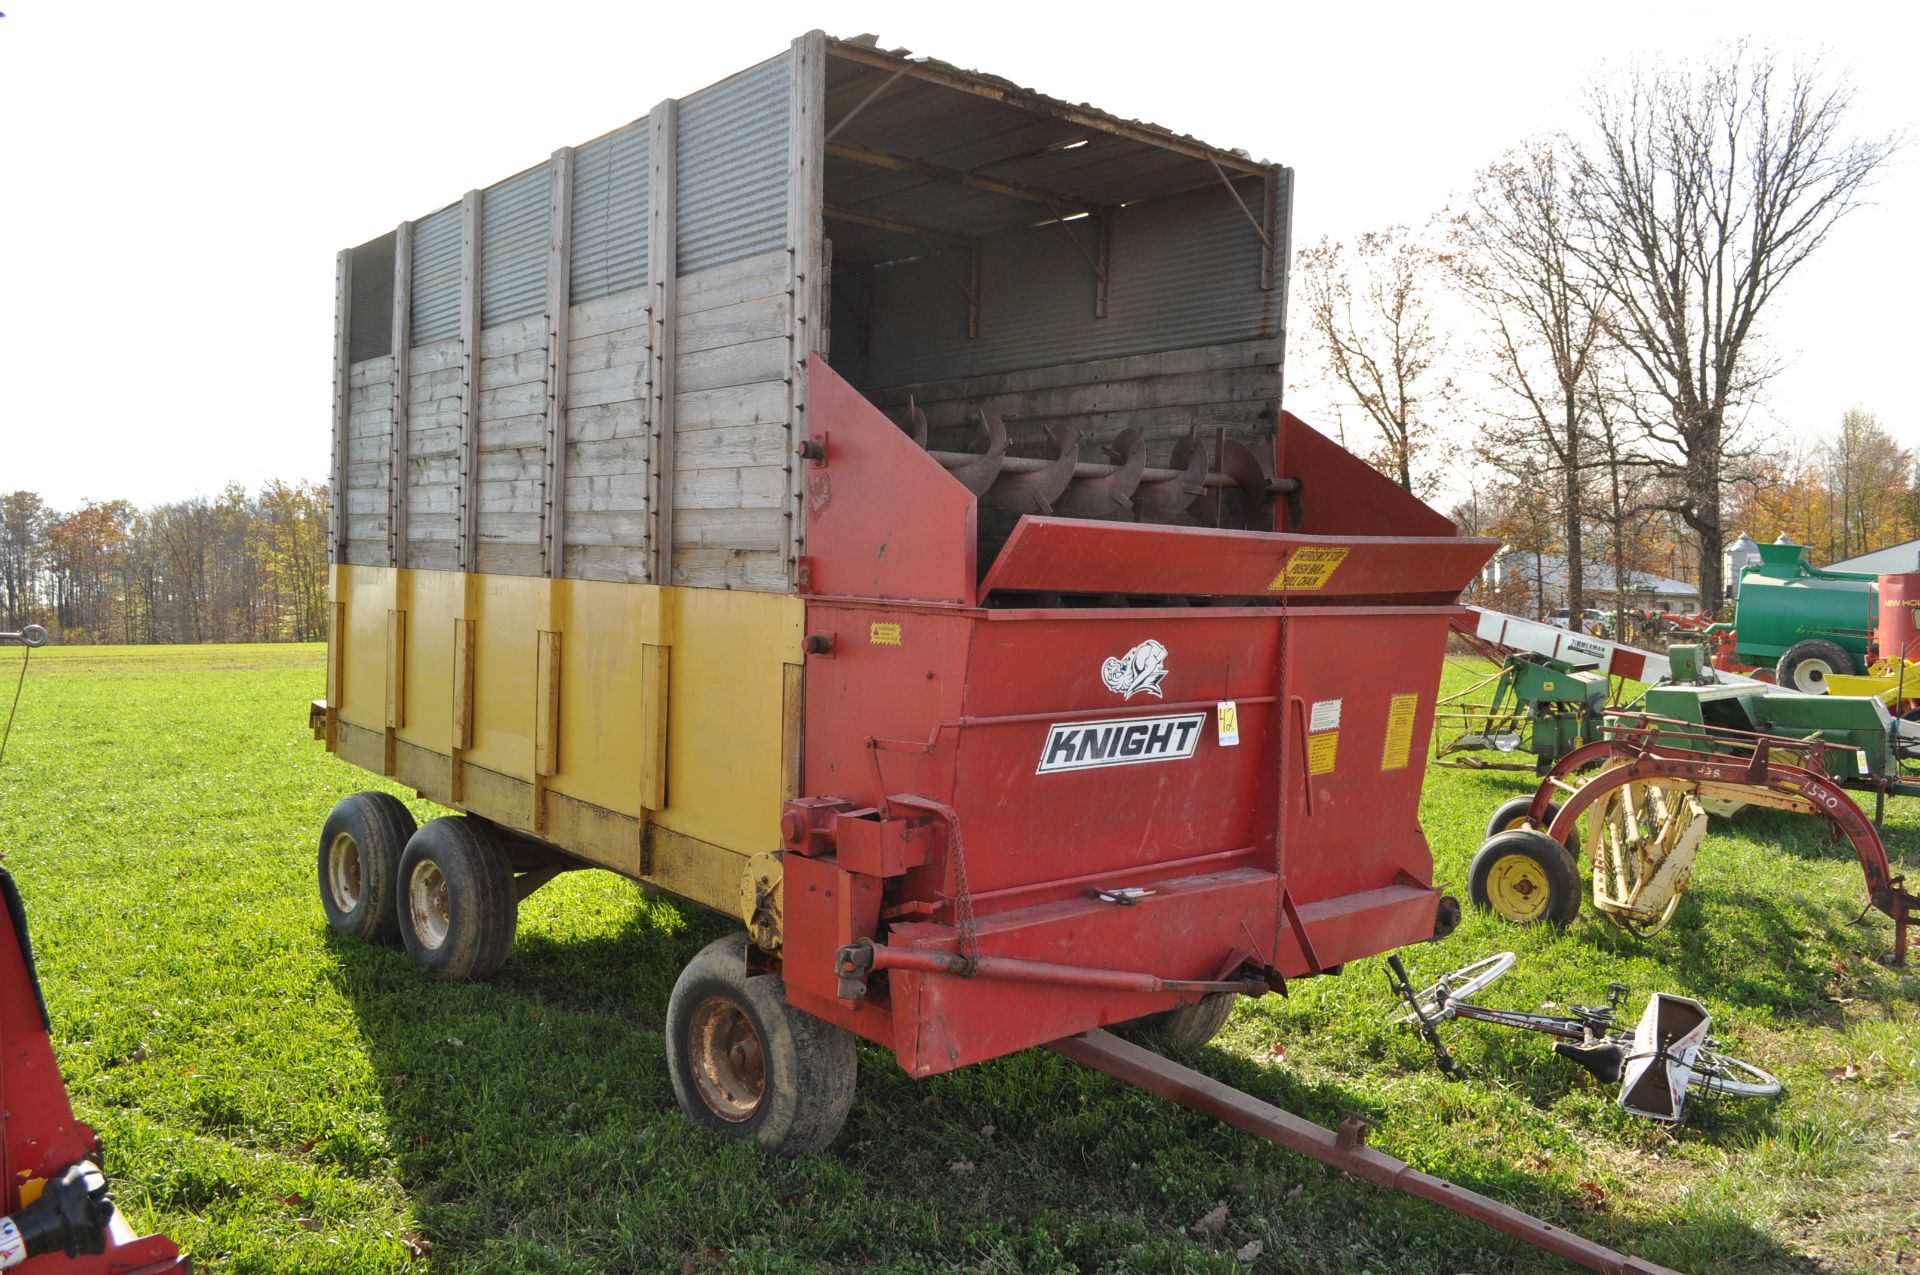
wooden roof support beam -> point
(876, 222)
(960, 177)
(864, 103)
(1096, 121)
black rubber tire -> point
(481, 905)
(1509, 817)
(1189, 1025)
(1816, 657)
(810, 1065)
(374, 827)
(1553, 871)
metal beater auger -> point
(1185, 492)
(1649, 805)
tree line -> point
(1618, 275)
(239, 567)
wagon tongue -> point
(1345, 1149)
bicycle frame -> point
(1546, 1024)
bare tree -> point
(23, 536)
(1866, 472)
(1623, 497)
(1704, 188)
(1369, 312)
(1520, 264)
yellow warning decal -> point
(1401, 710)
(1320, 751)
(1309, 568)
(885, 633)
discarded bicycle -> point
(1668, 1055)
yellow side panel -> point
(508, 611)
(433, 599)
(724, 735)
(603, 665)
(367, 593)
(725, 749)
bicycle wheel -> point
(1458, 985)
(1716, 1073)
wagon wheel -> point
(1644, 836)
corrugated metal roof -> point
(513, 247)
(986, 127)
(731, 174)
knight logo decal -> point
(1140, 671)
(1128, 742)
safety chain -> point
(962, 898)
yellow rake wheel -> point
(1644, 836)
(1525, 877)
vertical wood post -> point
(553, 485)
(342, 404)
(663, 280)
(402, 392)
(469, 503)
(806, 234)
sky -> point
(178, 178)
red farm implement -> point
(56, 1217)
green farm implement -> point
(1549, 695)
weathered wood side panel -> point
(731, 403)
(730, 436)
(510, 447)
(605, 523)
(433, 456)
(366, 453)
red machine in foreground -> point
(56, 1217)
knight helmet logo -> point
(1140, 670)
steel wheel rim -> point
(343, 871)
(1517, 888)
(728, 1059)
(1810, 676)
(428, 905)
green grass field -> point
(279, 1100)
